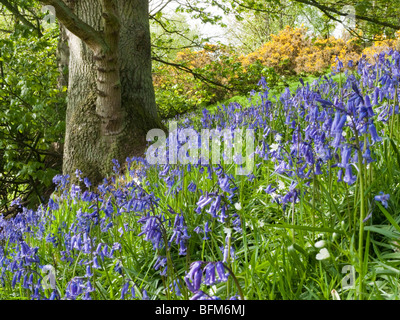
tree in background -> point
(250, 29)
(371, 17)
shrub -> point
(381, 45)
(294, 52)
(32, 116)
(280, 53)
(205, 77)
(218, 72)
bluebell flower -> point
(198, 229)
(53, 295)
(145, 295)
(14, 280)
(87, 182)
(161, 263)
(382, 198)
(194, 276)
(374, 134)
(192, 187)
(350, 63)
(269, 189)
(237, 223)
(78, 174)
(339, 65)
(89, 273)
(346, 155)
(348, 176)
(367, 156)
(227, 251)
(215, 206)
(124, 290)
(223, 276)
(175, 288)
(203, 201)
(96, 263)
(74, 289)
(52, 204)
(89, 287)
(210, 278)
(206, 231)
(200, 295)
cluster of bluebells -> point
(208, 274)
(83, 242)
(329, 126)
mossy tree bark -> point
(111, 102)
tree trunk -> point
(111, 101)
(62, 58)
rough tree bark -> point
(111, 101)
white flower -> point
(320, 244)
(274, 147)
(278, 137)
(281, 185)
(323, 254)
(335, 295)
(238, 206)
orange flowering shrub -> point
(216, 74)
(292, 52)
(370, 53)
(349, 52)
(281, 51)
(381, 45)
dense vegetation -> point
(322, 199)
(32, 112)
(219, 72)
(317, 215)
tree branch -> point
(93, 38)
(326, 9)
(19, 16)
(195, 74)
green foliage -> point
(201, 78)
(32, 112)
(277, 249)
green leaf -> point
(388, 216)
